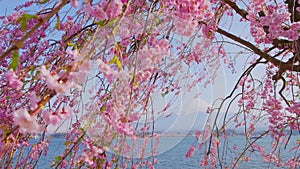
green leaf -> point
(5, 134)
(115, 30)
(67, 143)
(42, 107)
(107, 23)
(136, 84)
(165, 93)
(103, 108)
(24, 19)
(116, 61)
(101, 23)
(15, 60)
(74, 45)
(119, 64)
(43, 1)
(57, 160)
(157, 21)
(57, 25)
(111, 22)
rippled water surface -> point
(173, 150)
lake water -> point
(173, 151)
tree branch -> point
(18, 44)
(278, 43)
(282, 65)
(237, 9)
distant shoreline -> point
(178, 134)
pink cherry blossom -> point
(108, 72)
(50, 79)
(114, 8)
(56, 117)
(191, 152)
(96, 11)
(86, 67)
(26, 122)
(52, 118)
(13, 80)
(53, 81)
(75, 3)
(33, 100)
(294, 108)
(66, 113)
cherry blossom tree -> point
(131, 49)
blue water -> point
(173, 150)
